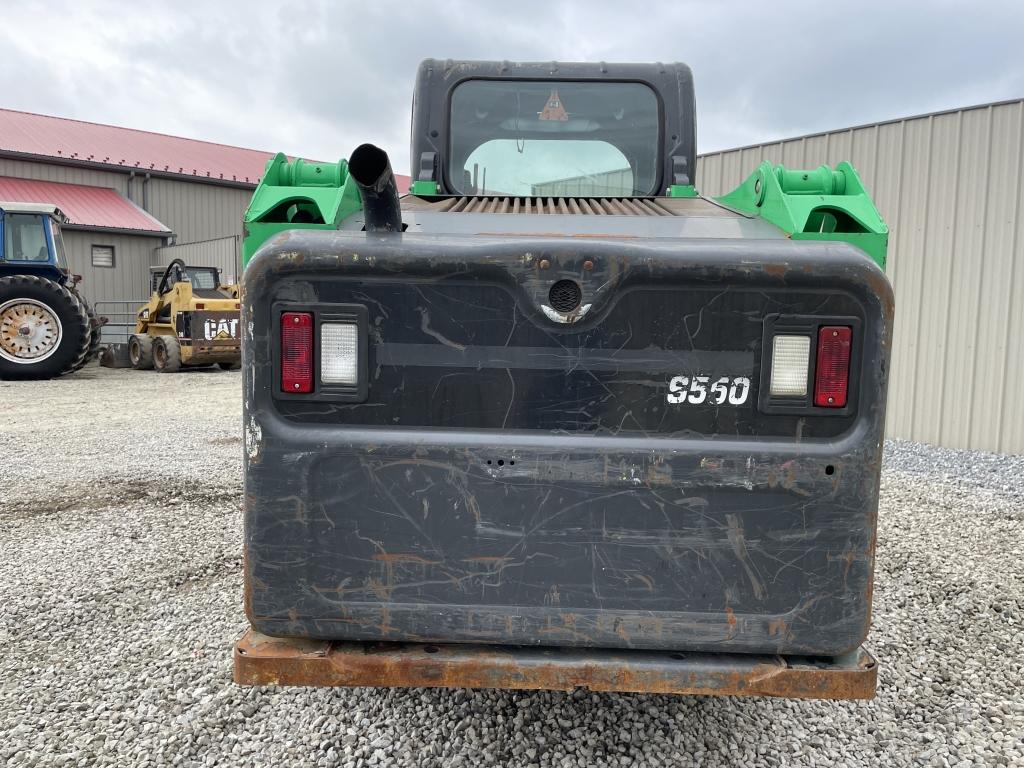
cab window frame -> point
(447, 168)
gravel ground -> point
(120, 597)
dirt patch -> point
(225, 441)
(118, 493)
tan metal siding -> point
(127, 280)
(996, 302)
(948, 185)
(609, 184)
(936, 283)
(1011, 407)
(65, 174)
(198, 212)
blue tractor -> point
(47, 328)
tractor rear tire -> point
(95, 334)
(140, 351)
(44, 329)
(166, 354)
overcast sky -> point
(315, 78)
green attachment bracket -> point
(298, 194)
(819, 204)
(682, 190)
(425, 188)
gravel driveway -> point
(120, 597)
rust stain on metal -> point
(262, 660)
(380, 590)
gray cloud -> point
(315, 78)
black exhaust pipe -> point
(371, 170)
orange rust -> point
(657, 474)
(261, 660)
(649, 627)
(385, 621)
(379, 589)
(730, 616)
(777, 627)
(620, 630)
(848, 558)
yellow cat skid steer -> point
(191, 320)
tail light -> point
(297, 352)
(832, 372)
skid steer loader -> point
(555, 419)
(191, 320)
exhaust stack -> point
(370, 167)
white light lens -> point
(339, 354)
(790, 359)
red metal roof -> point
(100, 207)
(57, 137)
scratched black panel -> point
(512, 479)
(467, 355)
(480, 528)
(653, 551)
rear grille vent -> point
(586, 206)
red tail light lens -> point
(832, 374)
(297, 352)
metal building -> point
(949, 186)
(129, 195)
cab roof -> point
(47, 209)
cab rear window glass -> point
(554, 138)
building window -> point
(103, 255)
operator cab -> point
(551, 130)
(201, 278)
(31, 237)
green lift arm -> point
(298, 195)
(819, 204)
